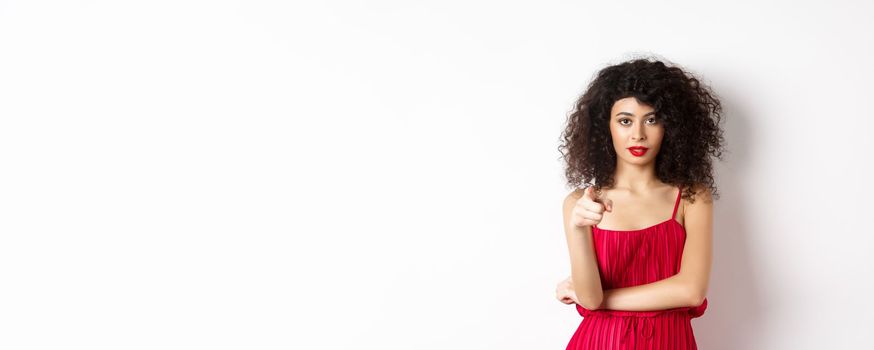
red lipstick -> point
(638, 151)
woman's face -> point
(633, 124)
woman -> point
(639, 237)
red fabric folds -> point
(630, 258)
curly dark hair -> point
(689, 110)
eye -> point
(622, 121)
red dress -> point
(630, 258)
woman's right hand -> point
(589, 209)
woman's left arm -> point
(689, 286)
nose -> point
(638, 134)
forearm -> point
(668, 293)
(584, 267)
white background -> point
(385, 175)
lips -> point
(638, 151)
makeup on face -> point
(638, 151)
(635, 126)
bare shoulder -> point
(703, 202)
(702, 197)
(575, 194)
(571, 199)
(700, 208)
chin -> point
(640, 160)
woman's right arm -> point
(584, 267)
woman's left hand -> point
(565, 293)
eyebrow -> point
(629, 114)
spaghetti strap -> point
(677, 204)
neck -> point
(635, 178)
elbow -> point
(591, 306)
(696, 297)
(589, 302)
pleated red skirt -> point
(630, 258)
